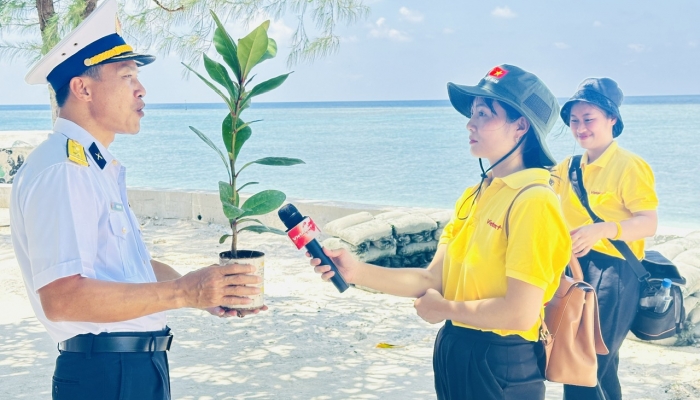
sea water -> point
(404, 153)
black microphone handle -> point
(316, 251)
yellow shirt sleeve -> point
(539, 245)
(447, 232)
(637, 188)
(558, 174)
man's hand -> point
(222, 313)
(215, 285)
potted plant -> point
(241, 57)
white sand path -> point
(313, 343)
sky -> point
(410, 49)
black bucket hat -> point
(518, 88)
(601, 92)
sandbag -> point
(367, 231)
(673, 248)
(414, 248)
(334, 227)
(406, 223)
(691, 275)
(366, 254)
(691, 257)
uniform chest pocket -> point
(603, 199)
(120, 229)
(118, 224)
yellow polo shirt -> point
(619, 183)
(479, 257)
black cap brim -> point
(140, 59)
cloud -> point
(561, 45)
(280, 31)
(380, 30)
(637, 47)
(410, 15)
(448, 31)
(503, 12)
(348, 39)
(597, 23)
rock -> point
(359, 335)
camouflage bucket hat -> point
(518, 88)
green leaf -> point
(223, 238)
(213, 146)
(219, 74)
(252, 48)
(271, 50)
(242, 135)
(249, 183)
(273, 161)
(268, 85)
(225, 192)
(263, 202)
(228, 201)
(227, 134)
(262, 229)
(232, 212)
(225, 46)
(212, 87)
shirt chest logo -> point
(493, 224)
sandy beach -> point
(313, 343)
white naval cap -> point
(97, 40)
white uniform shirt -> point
(69, 219)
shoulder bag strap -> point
(505, 223)
(576, 178)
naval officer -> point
(88, 274)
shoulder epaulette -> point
(76, 153)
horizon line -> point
(350, 102)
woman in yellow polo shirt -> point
(500, 258)
(620, 189)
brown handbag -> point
(570, 331)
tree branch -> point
(181, 8)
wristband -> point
(619, 231)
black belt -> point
(90, 343)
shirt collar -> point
(519, 179)
(80, 135)
(604, 158)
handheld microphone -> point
(303, 232)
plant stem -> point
(234, 174)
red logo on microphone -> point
(304, 233)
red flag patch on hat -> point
(498, 72)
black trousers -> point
(618, 292)
(471, 364)
(112, 376)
